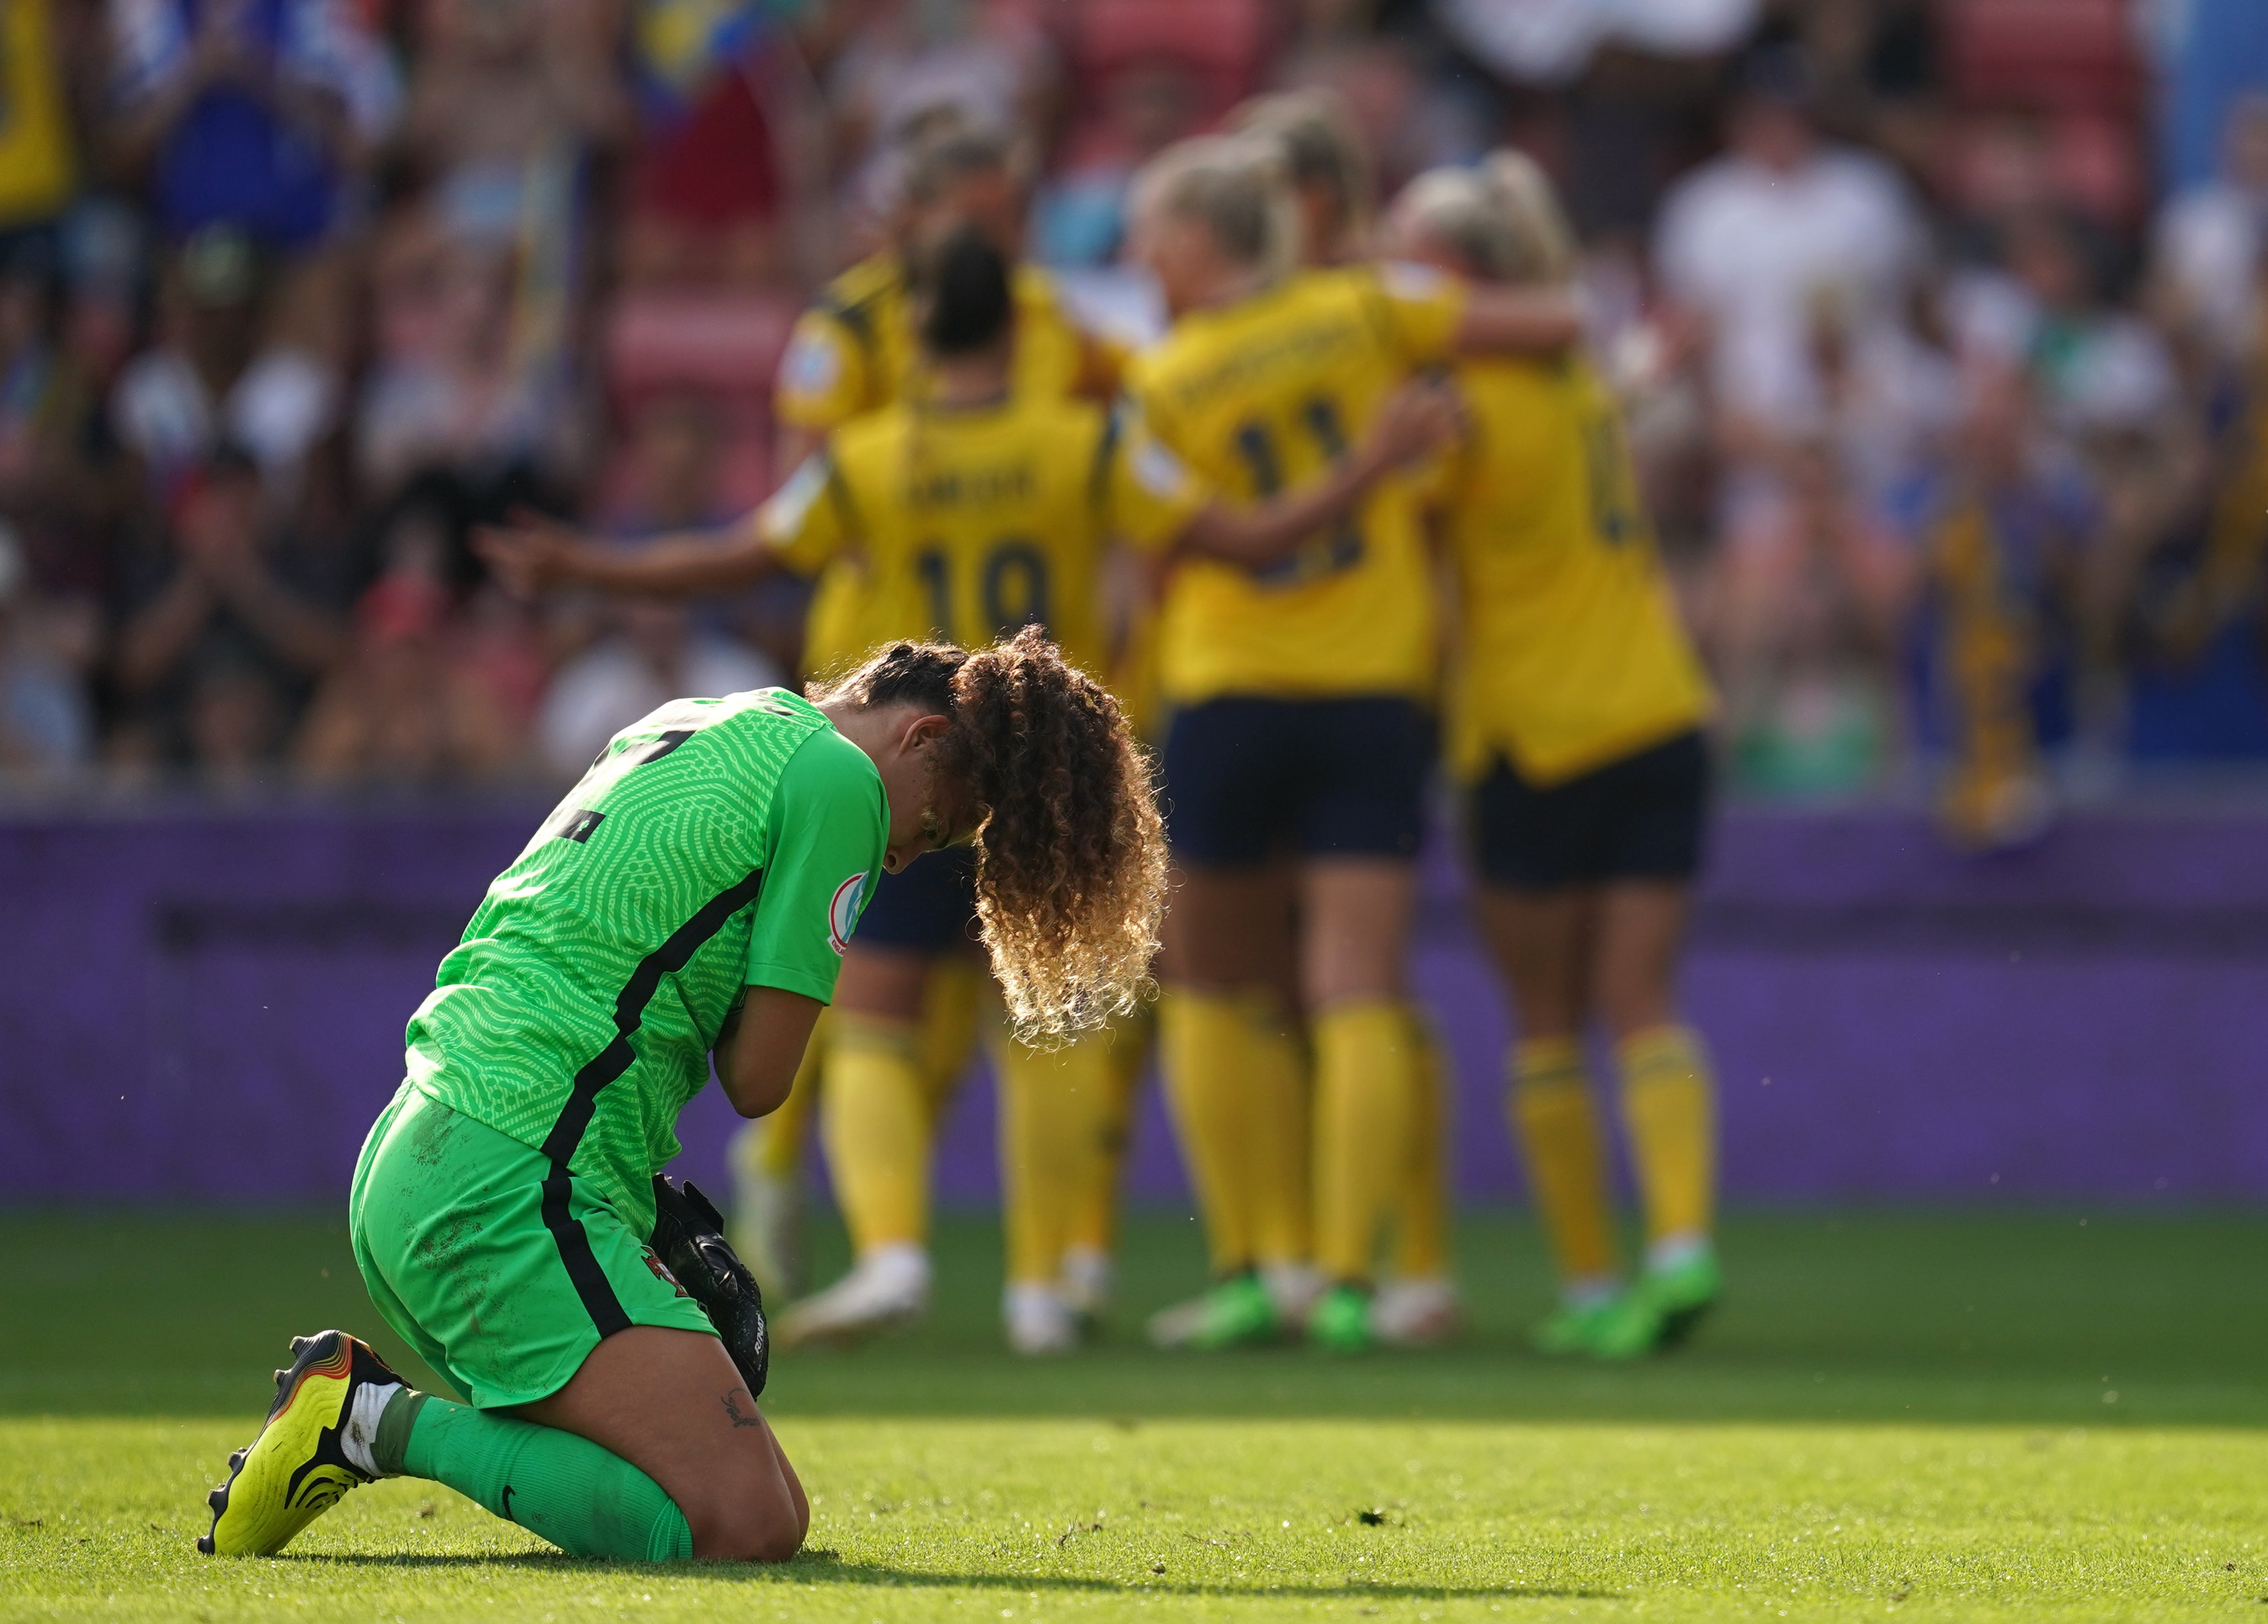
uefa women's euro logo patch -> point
(842, 912)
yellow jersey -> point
(1572, 654)
(971, 522)
(855, 351)
(1266, 394)
(37, 169)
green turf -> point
(1950, 1416)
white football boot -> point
(1039, 1321)
(1086, 1280)
(1415, 1313)
(886, 1289)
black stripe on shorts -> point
(566, 1135)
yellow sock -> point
(1557, 1122)
(1670, 1106)
(1365, 1089)
(1055, 1116)
(1095, 1221)
(1277, 1166)
(1421, 1223)
(1203, 1047)
(877, 1127)
(953, 1002)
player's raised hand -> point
(1421, 417)
(529, 555)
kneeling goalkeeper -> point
(692, 896)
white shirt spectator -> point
(2210, 236)
(1551, 42)
(2208, 248)
(285, 401)
(1754, 248)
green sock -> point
(566, 1489)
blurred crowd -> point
(1937, 322)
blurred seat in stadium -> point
(717, 349)
(1220, 47)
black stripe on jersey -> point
(566, 1135)
(662, 745)
(575, 823)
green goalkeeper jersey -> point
(717, 844)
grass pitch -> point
(1955, 1416)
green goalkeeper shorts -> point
(503, 1295)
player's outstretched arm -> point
(1420, 418)
(532, 555)
(762, 1046)
(1501, 321)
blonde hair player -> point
(1575, 719)
(973, 507)
(1333, 185)
(1299, 688)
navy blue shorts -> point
(926, 907)
(1246, 777)
(1640, 817)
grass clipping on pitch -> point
(1948, 1417)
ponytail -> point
(1071, 853)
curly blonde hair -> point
(1071, 853)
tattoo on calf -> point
(733, 1401)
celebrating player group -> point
(1092, 631)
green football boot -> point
(1569, 1329)
(1235, 1312)
(1660, 1310)
(1340, 1321)
(298, 1468)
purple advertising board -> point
(208, 1004)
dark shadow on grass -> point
(825, 1567)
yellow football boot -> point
(298, 1467)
